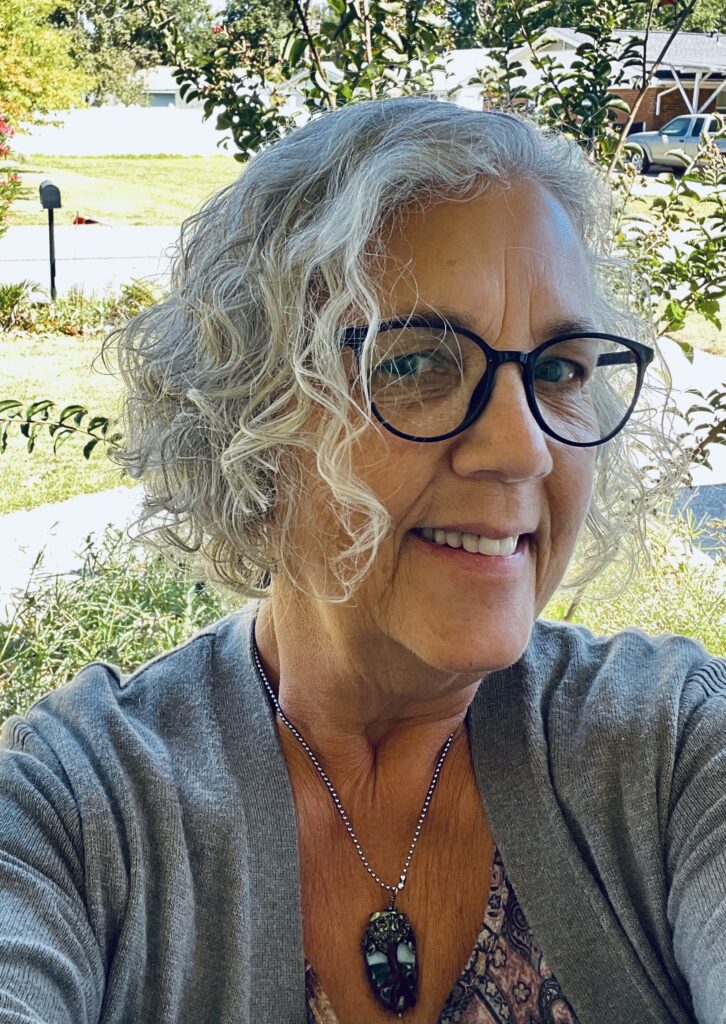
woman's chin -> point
(481, 648)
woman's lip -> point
(492, 565)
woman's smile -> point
(460, 558)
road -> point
(89, 257)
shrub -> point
(683, 590)
(9, 180)
(16, 305)
(123, 606)
(75, 313)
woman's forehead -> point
(491, 258)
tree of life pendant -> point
(389, 950)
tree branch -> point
(369, 48)
(330, 97)
(646, 83)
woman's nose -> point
(506, 440)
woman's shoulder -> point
(631, 663)
(579, 691)
(164, 701)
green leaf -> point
(73, 410)
(60, 437)
(393, 37)
(295, 47)
(36, 408)
(89, 447)
(9, 403)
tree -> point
(706, 16)
(38, 71)
(349, 50)
(112, 41)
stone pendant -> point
(389, 950)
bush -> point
(683, 591)
(15, 303)
(25, 307)
(123, 606)
(9, 180)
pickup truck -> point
(683, 132)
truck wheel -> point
(640, 161)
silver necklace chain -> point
(395, 889)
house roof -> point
(689, 50)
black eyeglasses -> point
(431, 379)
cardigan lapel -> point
(272, 904)
(584, 943)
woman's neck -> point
(375, 717)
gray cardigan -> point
(148, 859)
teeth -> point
(471, 542)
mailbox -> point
(50, 197)
(50, 200)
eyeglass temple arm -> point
(620, 358)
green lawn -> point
(142, 190)
(58, 368)
(704, 335)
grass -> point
(676, 594)
(129, 190)
(59, 368)
(123, 606)
(703, 335)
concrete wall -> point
(108, 131)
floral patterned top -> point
(506, 980)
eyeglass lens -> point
(423, 379)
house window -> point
(161, 99)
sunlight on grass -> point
(58, 368)
(683, 591)
(142, 190)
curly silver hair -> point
(223, 376)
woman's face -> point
(511, 267)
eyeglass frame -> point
(354, 338)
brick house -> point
(691, 79)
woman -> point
(389, 393)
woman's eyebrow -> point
(453, 317)
(553, 328)
(456, 318)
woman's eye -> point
(559, 371)
(408, 365)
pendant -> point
(389, 951)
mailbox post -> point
(50, 199)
